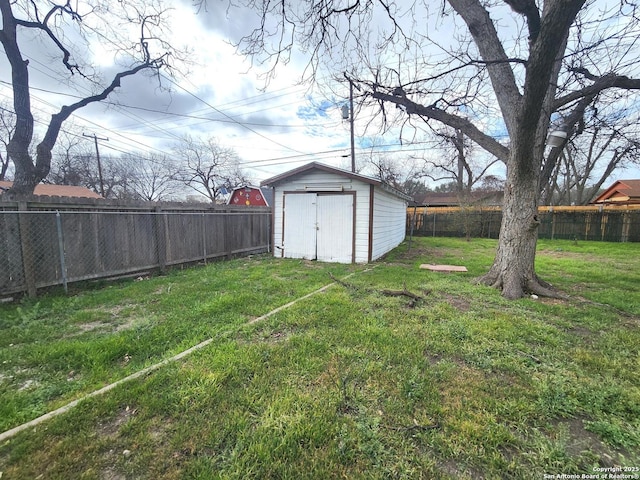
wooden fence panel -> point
(44, 243)
(613, 224)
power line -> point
(172, 134)
(95, 124)
(229, 117)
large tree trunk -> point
(27, 175)
(513, 269)
(527, 119)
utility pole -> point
(353, 148)
(95, 139)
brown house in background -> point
(622, 192)
(45, 190)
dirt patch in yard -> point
(111, 427)
(90, 326)
(587, 257)
(460, 303)
(580, 332)
(106, 319)
(312, 264)
(432, 358)
(27, 384)
(453, 469)
(581, 440)
(276, 337)
(553, 301)
(106, 327)
(415, 253)
(110, 474)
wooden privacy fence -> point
(44, 243)
(606, 223)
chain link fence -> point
(578, 223)
(45, 248)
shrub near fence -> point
(45, 243)
(612, 224)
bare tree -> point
(209, 168)
(63, 26)
(506, 70)
(69, 162)
(457, 163)
(115, 178)
(415, 188)
(596, 150)
(386, 170)
(491, 184)
(73, 162)
(7, 127)
(153, 177)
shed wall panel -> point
(389, 222)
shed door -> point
(319, 227)
(300, 225)
(335, 228)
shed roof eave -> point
(318, 166)
(397, 193)
(337, 171)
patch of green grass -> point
(348, 383)
(55, 349)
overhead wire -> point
(266, 96)
(233, 120)
(228, 116)
(269, 162)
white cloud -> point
(220, 93)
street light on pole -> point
(557, 138)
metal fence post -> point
(63, 265)
(204, 238)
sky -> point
(273, 127)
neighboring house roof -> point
(56, 190)
(621, 192)
(453, 199)
(338, 171)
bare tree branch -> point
(29, 171)
(432, 112)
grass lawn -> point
(348, 383)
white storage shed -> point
(332, 215)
